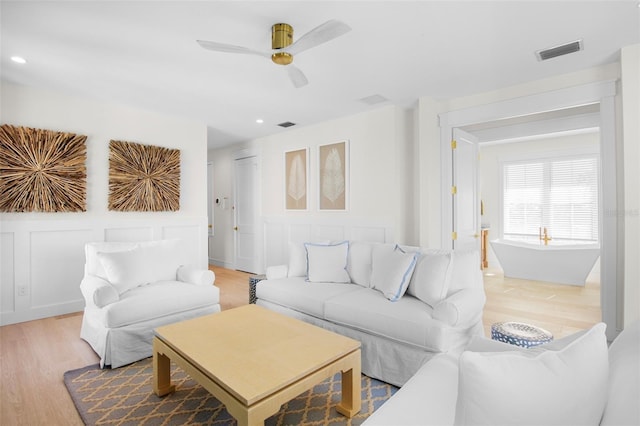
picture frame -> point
(296, 170)
(42, 170)
(143, 178)
(333, 176)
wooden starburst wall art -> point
(42, 170)
(143, 177)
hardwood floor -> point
(560, 309)
(34, 355)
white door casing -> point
(246, 215)
(464, 192)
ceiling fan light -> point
(282, 58)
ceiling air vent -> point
(286, 124)
(563, 49)
(374, 99)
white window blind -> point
(560, 194)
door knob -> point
(235, 228)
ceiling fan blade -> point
(321, 34)
(297, 77)
(229, 48)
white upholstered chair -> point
(132, 288)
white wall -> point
(42, 256)
(492, 156)
(630, 87)
(382, 188)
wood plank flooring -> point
(34, 355)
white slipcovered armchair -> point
(132, 288)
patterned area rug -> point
(124, 396)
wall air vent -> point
(563, 49)
(286, 124)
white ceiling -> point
(144, 53)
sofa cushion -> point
(300, 295)
(408, 320)
(431, 276)
(391, 271)
(568, 386)
(327, 263)
(157, 300)
(427, 399)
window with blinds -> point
(560, 194)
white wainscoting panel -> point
(279, 231)
(275, 246)
(129, 234)
(42, 261)
(57, 267)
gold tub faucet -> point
(546, 238)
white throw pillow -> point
(431, 277)
(359, 263)
(327, 263)
(565, 387)
(127, 269)
(391, 271)
(297, 266)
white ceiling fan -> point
(284, 48)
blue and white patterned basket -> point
(520, 334)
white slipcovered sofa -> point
(131, 288)
(404, 304)
(576, 380)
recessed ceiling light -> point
(18, 60)
(259, 121)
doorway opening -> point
(539, 189)
(519, 111)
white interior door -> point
(246, 214)
(464, 193)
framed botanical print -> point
(333, 168)
(296, 166)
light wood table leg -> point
(351, 391)
(161, 370)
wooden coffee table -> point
(255, 360)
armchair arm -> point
(461, 308)
(278, 271)
(98, 292)
(196, 276)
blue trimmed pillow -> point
(391, 271)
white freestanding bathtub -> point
(564, 264)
